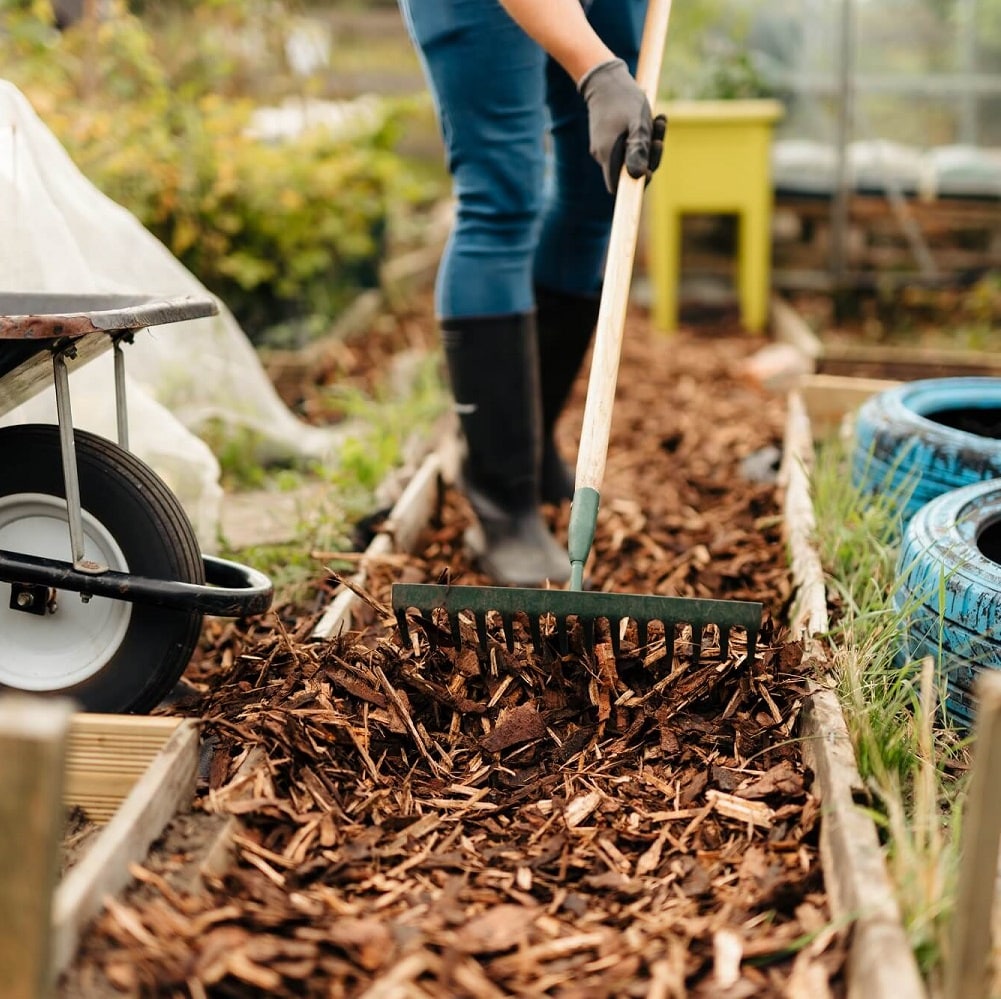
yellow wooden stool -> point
(717, 160)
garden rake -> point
(588, 607)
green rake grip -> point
(580, 535)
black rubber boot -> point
(494, 372)
(566, 324)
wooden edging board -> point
(881, 963)
(165, 787)
(788, 326)
(874, 363)
(829, 398)
(915, 362)
(107, 754)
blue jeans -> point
(527, 212)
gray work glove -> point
(620, 123)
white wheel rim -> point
(59, 650)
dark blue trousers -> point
(531, 203)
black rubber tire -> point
(948, 590)
(136, 508)
(921, 439)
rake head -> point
(586, 607)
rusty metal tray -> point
(32, 324)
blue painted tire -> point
(949, 589)
(921, 439)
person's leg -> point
(486, 78)
(570, 256)
(494, 371)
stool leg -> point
(754, 266)
(665, 259)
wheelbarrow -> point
(103, 587)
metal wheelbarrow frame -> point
(40, 336)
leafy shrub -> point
(730, 75)
(284, 233)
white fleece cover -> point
(60, 234)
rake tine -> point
(481, 631)
(453, 623)
(561, 631)
(535, 626)
(696, 641)
(403, 625)
(571, 607)
(669, 643)
(508, 622)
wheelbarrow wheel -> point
(106, 654)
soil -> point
(77, 837)
(422, 820)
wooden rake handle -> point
(618, 271)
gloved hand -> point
(620, 123)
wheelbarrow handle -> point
(230, 589)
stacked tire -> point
(921, 439)
(949, 590)
(930, 452)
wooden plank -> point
(100, 796)
(881, 962)
(969, 959)
(829, 398)
(808, 616)
(905, 363)
(947, 259)
(399, 533)
(957, 235)
(118, 726)
(811, 275)
(165, 788)
(940, 215)
(143, 727)
(32, 750)
(789, 327)
(107, 754)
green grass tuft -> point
(912, 761)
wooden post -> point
(32, 752)
(968, 966)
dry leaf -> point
(520, 724)
(498, 929)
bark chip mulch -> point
(421, 821)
